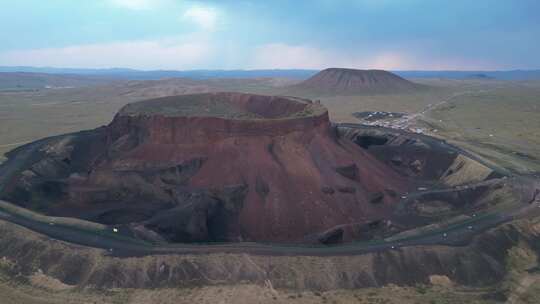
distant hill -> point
(339, 81)
(480, 76)
(130, 74)
(300, 74)
(17, 81)
(500, 75)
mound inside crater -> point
(238, 167)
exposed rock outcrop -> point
(211, 167)
(483, 261)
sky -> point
(271, 34)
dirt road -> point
(121, 245)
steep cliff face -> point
(225, 166)
(350, 81)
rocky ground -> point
(32, 283)
(514, 255)
(279, 174)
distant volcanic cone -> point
(213, 167)
(338, 81)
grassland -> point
(500, 122)
(497, 120)
(29, 115)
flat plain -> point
(497, 120)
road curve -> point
(117, 244)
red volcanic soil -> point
(350, 81)
(226, 166)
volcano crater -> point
(233, 167)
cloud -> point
(135, 4)
(143, 54)
(205, 17)
(283, 56)
(198, 51)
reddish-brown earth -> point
(214, 167)
(351, 81)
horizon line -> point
(264, 69)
